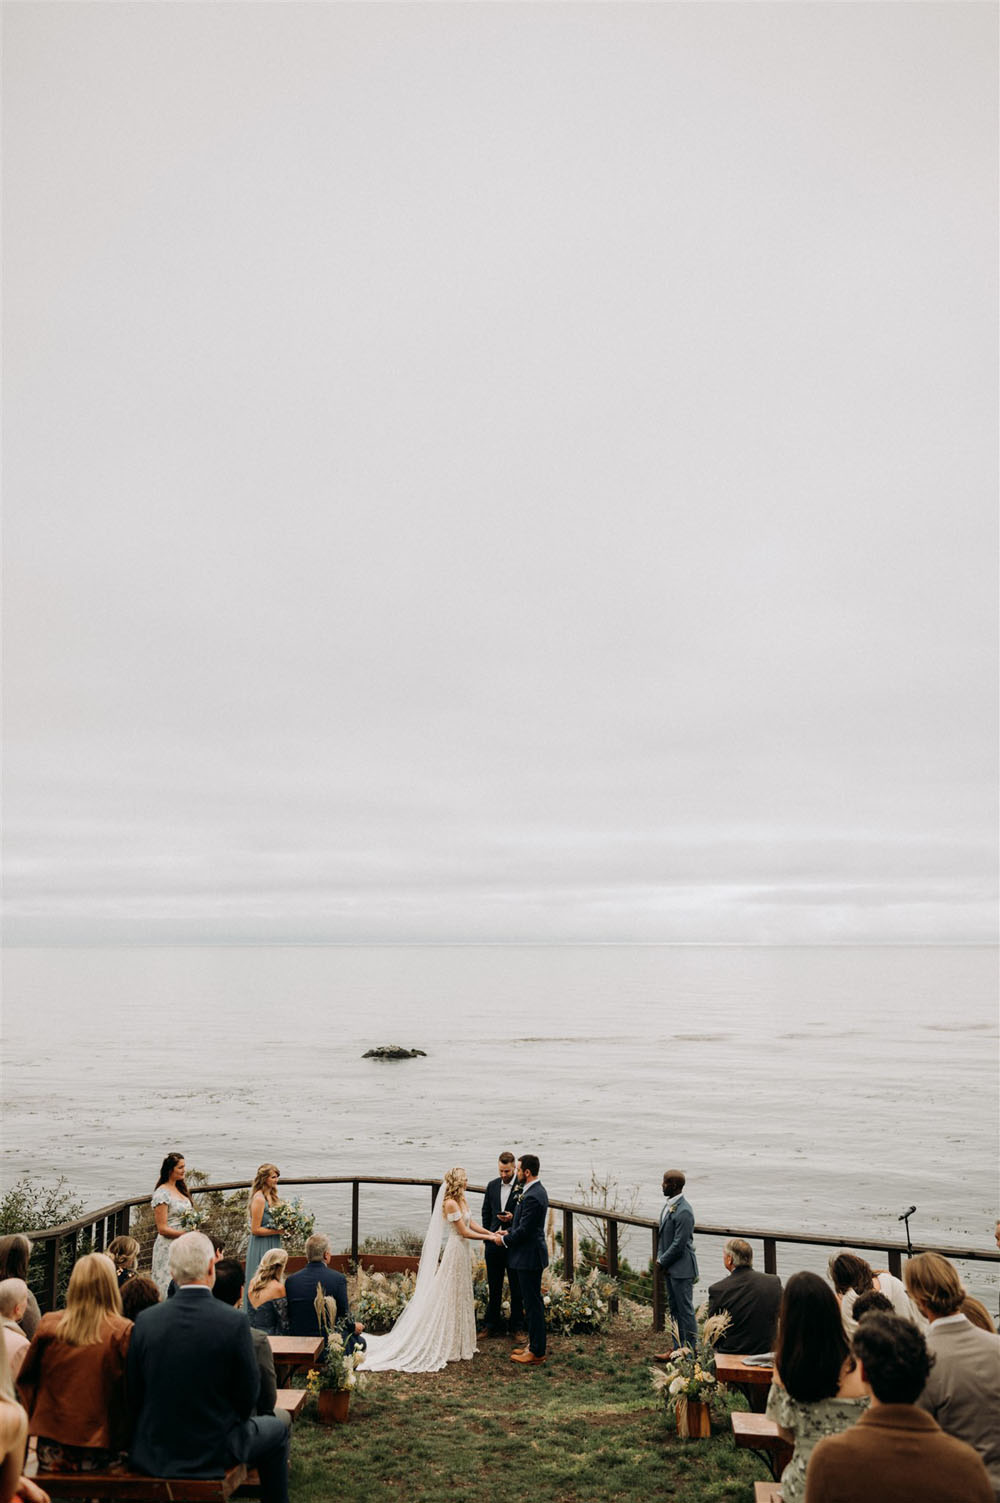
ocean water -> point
(821, 1090)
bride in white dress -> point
(439, 1323)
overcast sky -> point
(509, 471)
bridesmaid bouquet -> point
(293, 1221)
(192, 1219)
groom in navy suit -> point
(527, 1255)
(675, 1255)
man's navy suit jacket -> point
(191, 1383)
(525, 1242)
(301, 1291)
(675, 1249)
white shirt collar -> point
(672, 1200)
(950, 1320)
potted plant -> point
(337, 1376)
(688, 1380)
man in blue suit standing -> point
(675, 1255)
(192, 1381)
(527, 1255)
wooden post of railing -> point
(895, 1262)
(355, 1219)
(100, 1234)
(568, 1246)
(53, 1248)
(657, 1285)
(612, 1226)
(770, 1255)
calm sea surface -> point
(821, 1090)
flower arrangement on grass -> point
(293, 1221)
(583, 1305)
(381, 1299)
(690, 1372)
(339, 1370)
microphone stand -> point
(905, 1219)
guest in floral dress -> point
(817, 1388)
(268, 1309)
(170, 1201)
(264, 1235)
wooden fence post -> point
(657, 1285)
(355, 1219)
(613, 1257)
(568, 1246)
(770, 1255)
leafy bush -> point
(29, 1207)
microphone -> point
(906, 1213)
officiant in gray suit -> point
(676, 1256)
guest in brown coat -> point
(72, 1379)
(895, 1453)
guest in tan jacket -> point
(963, 1389)
(896, 1453)
(72, 1379)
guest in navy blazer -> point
(301, 1290)
(527, 1254)
(192, 1381)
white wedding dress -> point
(439, 1323)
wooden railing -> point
(111, 1221)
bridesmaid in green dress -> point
(263, 1233)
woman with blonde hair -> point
(266, 1299)
(264, 1235)
(439, 1323)
(72, 1379)
(13, 1444)
(124, 1252)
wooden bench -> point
(755, 1432)
(767, 1492)
(136, 1487)
(294, 1353)
(291, 1401)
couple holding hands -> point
(439, 1323)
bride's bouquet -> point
(293, 1221)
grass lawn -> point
(586, 1426)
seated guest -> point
(72, 1378)
(895, 1453)
(871, 1303)
(963, 1389)
(124, 1252)
(13, 1444)
(193, 1381)
(13, 1303)
(137, 1295)
(301, 1289)
(228, 1287)
(976, 1312)
(851, 1276)
(15, 1251)
(267, 1305)
(752, 1301)
(817, 1388)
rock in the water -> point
(393, 1051)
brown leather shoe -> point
(663, 1356)
(527, 1357)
